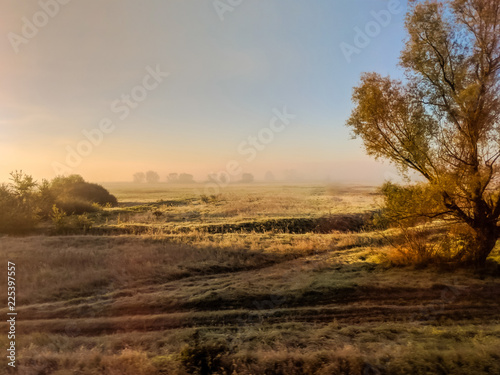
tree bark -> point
(485, 240)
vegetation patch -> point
(326, 224)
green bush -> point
(17, 215)
(75, 206)
(24, 202)
(75, 195)
(65, 224)
(19, 211)
(411, 205)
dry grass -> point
(238, 202)
(243, 303)
(52, 268)
(286, 348)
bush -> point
(444, 245)
(65, 224)
(415, 209)
(19, 212)
(74, 195)
(416, 249)
(203, 359)
(410, 205)
(93, 193)
(17, 215)
(23, 202)
(76, 206)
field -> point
(259, 279)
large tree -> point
(442, 121)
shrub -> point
(93, 193)
(410, 205)
(75, 195)
(203, 359)
(430, 244)
(17, 215)
(416, 249)
(456, 243)
(46, 199)
(23, 202)
(75, 206)
(415, 210)
(65, 224)
(58, 216)
(19, 212)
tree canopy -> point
(442, 121)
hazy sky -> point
(69, 68)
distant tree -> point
(186, 178)
(152, 177)
(173, 178)
(269, 176)
(139, 177)
(443, 121)
(247, 178)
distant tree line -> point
(152, 177)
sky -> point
(109, 88)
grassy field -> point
(260, 279)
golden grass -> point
(243, 303)
(288, 348)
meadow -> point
(259, 279)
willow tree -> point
(442, 120)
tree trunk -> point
(485, 240)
